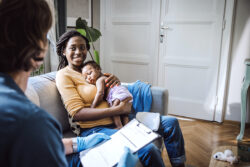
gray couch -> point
(42, 91)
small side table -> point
(244, 90)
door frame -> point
(224, 61)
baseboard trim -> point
(247, 125)
(237, 123)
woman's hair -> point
(61, 45)
(24, 25)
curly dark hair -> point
(24, 27)
(93, 64)
(61, 45)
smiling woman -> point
(75, 52)
(78, 95)
(62, 47)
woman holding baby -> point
(78, 95)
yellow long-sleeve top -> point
(76, 94)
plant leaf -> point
(97, 59)
(81, 24)
(82, 31)
(92, 34)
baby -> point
(93, 75)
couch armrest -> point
(48, 97)
(159, 99)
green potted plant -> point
(91, 34)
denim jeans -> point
(150, 155)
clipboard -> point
(134, 135)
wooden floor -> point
(202, 137)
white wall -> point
(78, 8)
(240, 51)
(82, 8)
(96, 20)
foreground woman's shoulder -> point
(62, 73)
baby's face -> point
(91, 74)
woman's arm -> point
(75, 105)
(90, 114)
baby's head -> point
(91, 71)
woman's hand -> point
(112, 80)
(125, 106)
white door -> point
(189, 55)
(187, 60)
(129, 43)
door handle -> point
(164, 27)
(162, 33)
(161, 38)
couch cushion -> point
(49, 97)
(32, 95)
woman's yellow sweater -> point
(76, 94)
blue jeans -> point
(149, 155)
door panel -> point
(189, 55)
(131, 8)
(130, 71)
(131, 39)
(130, 43)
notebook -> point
(134, 135)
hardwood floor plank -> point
(202, 137)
